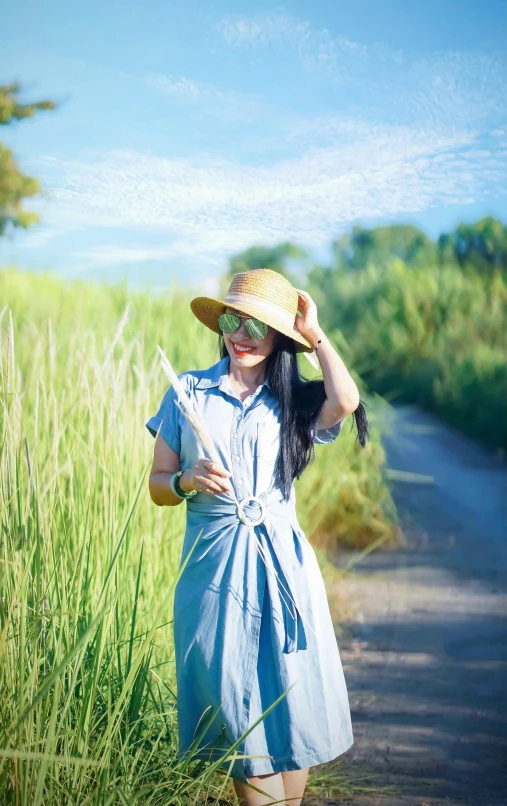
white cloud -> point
(262, 30)
(180, 259)
(211, 208)
(452, 88)
(455, 88)
(181, 87)
(316, 48)
(111, 255)
(440, 143)
(222, 103)
(38, 236)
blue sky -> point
(187, 132)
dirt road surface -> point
(425, 648)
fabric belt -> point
(265, 511)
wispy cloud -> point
(39, 236)
(431, 134)
(457, 88)
(212, 100)
(260, 30)
(111, 254)
(180, 87)
(316, 48)
(213, 207)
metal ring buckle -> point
(242, 516)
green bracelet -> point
(175, 486)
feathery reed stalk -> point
(188, 409)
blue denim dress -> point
(251, 616)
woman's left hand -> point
(307, 323)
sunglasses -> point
(229, 322)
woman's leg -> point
(294, 783)
(272, 784)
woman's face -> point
(254, 350)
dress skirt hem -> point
(259, 766)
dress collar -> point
(218, 375)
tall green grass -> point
(88, 563)
(435, 336)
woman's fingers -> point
(220, 483)
(211, 484)
(215, 474)
(216, 469)
(211, 477)
(305, 297)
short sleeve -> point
(323, 436)
(168, 419)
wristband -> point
(175, 486)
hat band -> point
(285, 317)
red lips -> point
(241, 352)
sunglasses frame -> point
(248, 320)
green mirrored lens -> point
(228, 322)
(256, 329)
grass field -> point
(88, 563)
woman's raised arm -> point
(342, 394)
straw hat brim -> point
(208, 311)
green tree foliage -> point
(482, 246)
(363, 247)
(266, 257)
(432, 335)
(11, 109)
(15, 185)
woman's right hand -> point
(207, 477)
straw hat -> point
(262, 294)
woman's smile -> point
(241, 349)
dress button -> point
(240, 482)
(235, 436)
(236, 458)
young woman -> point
(251, 618)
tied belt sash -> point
(257, 517)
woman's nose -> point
(242, 332)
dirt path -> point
(425, 652)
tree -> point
(15, 185)
(482, 245)
(266, 257)
(381, 245)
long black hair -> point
(300, 401)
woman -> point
(251, 617)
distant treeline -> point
(420, 321)
(481, 246)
